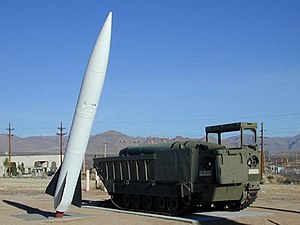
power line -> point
(175, 120)
(200, 119)
(35, 128)
(269, 131)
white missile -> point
(66, 183)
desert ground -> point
(23, 202)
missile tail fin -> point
(50, 190)
(77, 197)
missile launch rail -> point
(173, 178)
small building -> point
(36, 165)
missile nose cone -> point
(101, 48)
(109, 17)
(108, 22)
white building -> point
(32, 164)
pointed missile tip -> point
(109, 17)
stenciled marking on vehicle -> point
(205, 173)
(253, 171)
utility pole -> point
(9, 148)
(105, 145)
(61, 134)
(165, 138)
(262, 160)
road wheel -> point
(147, 203)
(135, 201)
(173, 205)
(234, 206)
(160, 204)
(126, 201)
(220, 206)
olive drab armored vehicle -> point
(174, 178)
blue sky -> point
(175, 66)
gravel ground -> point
(23, 202)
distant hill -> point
(281, 144)
(37, 144)
(115, 141)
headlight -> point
(252, 161)
(207, 163)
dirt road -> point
(23, 202)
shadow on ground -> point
(276, 209)
(30, 210)
(202, 218)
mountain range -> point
(113, 141)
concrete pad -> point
(218, 215)
(193, 218)
(51, 217)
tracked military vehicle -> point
(174, 178)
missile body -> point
(64, 186)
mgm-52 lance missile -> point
(66, 183)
